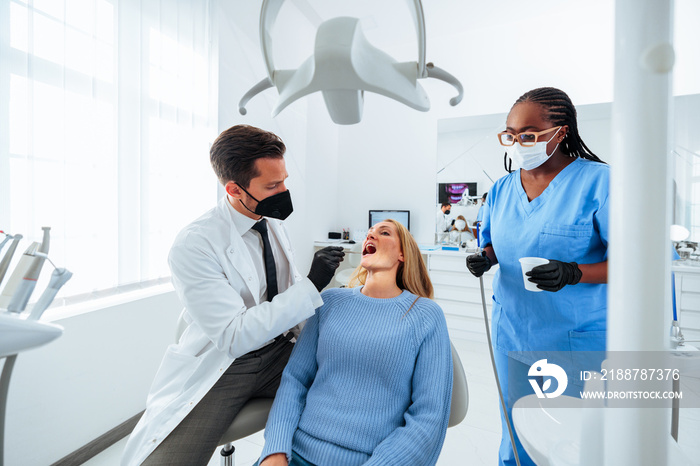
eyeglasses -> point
(526, 139)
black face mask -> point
(277, 206)
(447, 212)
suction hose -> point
(495, 372)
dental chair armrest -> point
(442, 75)
(265, 83)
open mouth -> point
(369, 249)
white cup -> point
(527, 263)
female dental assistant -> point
(555, 206)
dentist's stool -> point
(250, 419)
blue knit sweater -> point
(367, 383)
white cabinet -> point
(458, 293)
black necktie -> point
(270, 269)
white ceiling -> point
(392, 22)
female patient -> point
(370, 379)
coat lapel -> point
(239, 256)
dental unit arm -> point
(344, 66)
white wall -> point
(88, 381)
(387, 161)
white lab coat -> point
(442, 224)
(215, 279)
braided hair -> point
(560, 111)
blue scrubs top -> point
(567, 222)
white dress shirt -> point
(254, 243)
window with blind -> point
(109, 108)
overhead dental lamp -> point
(345, 65)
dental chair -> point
(253, 416)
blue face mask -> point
(531, 157)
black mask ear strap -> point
(245, 191)
(250, 195)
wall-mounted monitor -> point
(454, 192)
(401, 216)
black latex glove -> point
(453, 222)
(555, 275)
(323, 266)
(478, 263)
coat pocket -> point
(565, 242)
(174, 374)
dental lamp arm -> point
(265, 83)
(442, 75)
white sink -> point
(542, 426)
(551, 432)
(18, 334)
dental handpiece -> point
(5, 264)
(20, 286)
(7, 238)
(26, 286)
(59, 277)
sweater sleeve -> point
(291, 395)
(420, 439)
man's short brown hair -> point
(235, 151)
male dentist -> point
(233, 270)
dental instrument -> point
(8, 255)
(15, 279)
(59, 277)
(345, 65)
(493, 362)
(7, 238)
(26, 286)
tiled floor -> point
(474, 442)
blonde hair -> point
(412, 274)
(466, 224)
